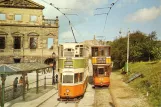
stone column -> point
(3, 78)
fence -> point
(10, 94)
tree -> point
(142, 48)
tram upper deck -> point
(72, 55)
(101, 54)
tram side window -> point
(101, 71)
(106, 70)
(67, 78)
(81, 77)
(106, 51)
(94, 71)
(81, 52)
(102, 52)
(75, 78)
(61, 77)
(94, 51)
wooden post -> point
(45, 82)
(3, 78)
(37, 82)
(24, 85)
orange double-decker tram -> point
(102, 65)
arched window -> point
(50, 40)
(33, 40)
(2, 39)
(17, 40)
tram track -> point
(59, 103)
(114, 104)
(46, 99)
(104, 97)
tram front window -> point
(101, 71)
(67, 78)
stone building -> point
(25, 33)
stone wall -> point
(41, 29)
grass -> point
(150, 83)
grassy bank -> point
(150, 83)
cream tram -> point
(73, 67)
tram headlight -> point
(67, 90)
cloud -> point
(144, 15)
(130, 1)
(124, 3)
(66, 36)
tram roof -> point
(101, 46)
(71, 43)
(21, 67)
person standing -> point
(56, 78)
(27, 83)
(54, 67)
(21, 80)
(15, 82)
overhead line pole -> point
(127, 67)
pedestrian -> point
(54, 67)
(27, 83)
(15, 82)
(56, 78)
(21, 80)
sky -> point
(124, 16)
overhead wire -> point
(110, 7)
(64, 15)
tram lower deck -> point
(73, 83)
(101, 75)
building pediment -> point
(3, 33)
(20, 4)
(51, 34)
(17, 34)
(33, 34)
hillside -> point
(150, 83)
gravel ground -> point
(102, 97)
(125, 96)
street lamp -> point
(54, 67)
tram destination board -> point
(68, 64)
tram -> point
(73, 68)
(102, 65)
